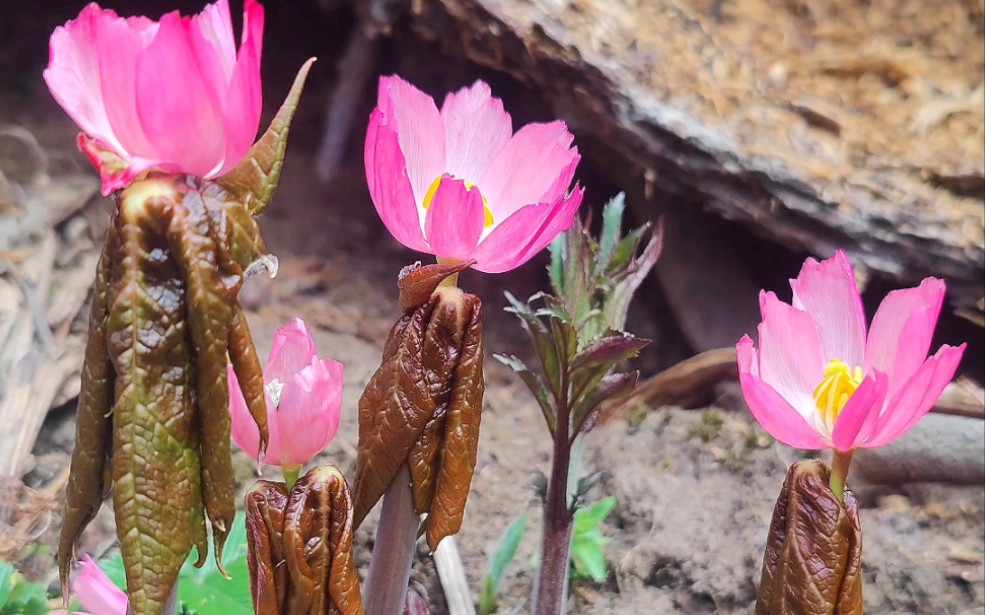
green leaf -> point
(588, 560)
(589, 517)
(505, 552)
(556, 269)
(6, 581)
(611, 227)
(21, 597)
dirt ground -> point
(695, 488)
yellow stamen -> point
(839, 384)
(429, 198)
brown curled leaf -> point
(417, 285)
(318, 534)
(459, 447)
(208, 302)
(393, 410)
(157, 493)
(814, 549)
(265, 504)
(249, 372)
(439, 358)
(94, 423)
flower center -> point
(839, 384)
(429, 197)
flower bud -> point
(304, 398)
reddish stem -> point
(393, 551)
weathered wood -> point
(47, 262)
(839, 125)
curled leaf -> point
(416, 284)
(814, 549)
(93, 427)
(423, 405)
(300, 547)
(265, 505)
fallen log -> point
(845, 125)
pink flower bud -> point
(820, 380)
(459, 184)
(95, 592)
(304, 400)
(173, 94)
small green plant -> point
(710, 427)
(588, 543)
(204, 591)
(504, 554)
(19, 596)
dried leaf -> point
(814, 549)
(93, 427)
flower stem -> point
(840, 464)
(451, 280)
(291, 474)
(551, 593)
(393, 551)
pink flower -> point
(172, 95)
(95, 592)
(457, 183)
(819, 380)
(304, 400)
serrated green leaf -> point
(505, 552)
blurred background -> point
(760, 132)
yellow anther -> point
(429, 198)
(839, 384)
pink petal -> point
(476, 128)
(244, 100)
(791, 360)
(310, 409)
(828, 292)
(413, 115)
(917, 396)
(177, 99)
(860, 413)
(454, 220)
(526, 169)
(115, 172)
(215, 24)
(96, 592)
(389, 186)
(292, 349)
(519, 237)
(902, 330)
(244, 431)
(73, 75)
(769, 408)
